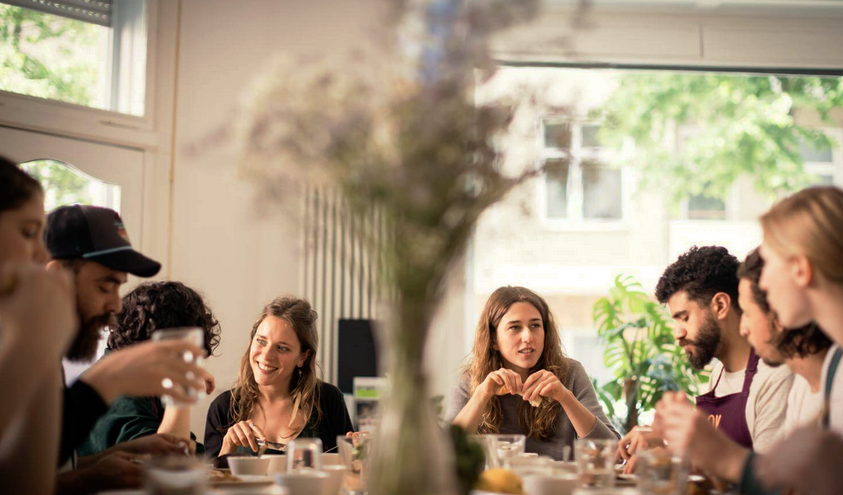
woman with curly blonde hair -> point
(277, 396)
(520, 381)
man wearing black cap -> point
(92, 243)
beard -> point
(84, 346)
(707, 345)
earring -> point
(299, 372)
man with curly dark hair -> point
(747, 399)
(149, 307)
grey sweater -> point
(577, 382)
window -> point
(580, 183)
(702, 207)
(820, 163)
(89, 53)
(65, 184)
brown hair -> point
(796, 342)
(809, 223)
(538, 422)
(245, 395)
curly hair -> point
(538, 422)
(701, 272)
(155, 305)
(796, 342)
(245, 395)
(16, 186)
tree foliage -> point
(640, 351)
(696, 133)
(62, 184)
(48, 56)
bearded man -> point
(92, 243)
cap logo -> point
(121, 231)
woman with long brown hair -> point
(520, 381)
(277, 396)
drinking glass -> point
(354, 454)
(304, 454)
(595, 462)
(195, 336)
(175, 475)
(661, 473)
(503, 447)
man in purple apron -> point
(748, 400)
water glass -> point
(304, 454)
(195, 336)
(503, 447)
(661, 473)
(175, 475)
(595, 462)
(354, 453)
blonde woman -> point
(277, 396)
(520, 381)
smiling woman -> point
(277, 396)
(520, 381)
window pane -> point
(602, 193)
(702, 207)
(812, 154)
(63, 185)
(825, 180)
(557, 188)
(557, 135)
(57, 58)
(589, 136)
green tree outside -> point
(740, 125)
(62, 184)
(49, 56)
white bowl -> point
(305, 482)
(277, 463)
(248, 465)
(539, 484)
(337, 473)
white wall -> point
(220, 243)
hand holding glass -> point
(195, 336)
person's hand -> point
(39, 309)
(543, 383)
(636, 439)
(114, 471)
(807, 461)
(501, 382)
(158, 444)
(146, 369)
(684, 428)
(210, 384)
(242, 434)
(691, 435)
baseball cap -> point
(96, 234)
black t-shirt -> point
(333, 422)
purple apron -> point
(728, 413)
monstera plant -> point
(640, 351)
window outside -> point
(73, 61)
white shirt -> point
(803, 406)
(766, 406)
(836, 400)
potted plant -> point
(640, 351)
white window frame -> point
(69, 119)
(575, 219)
